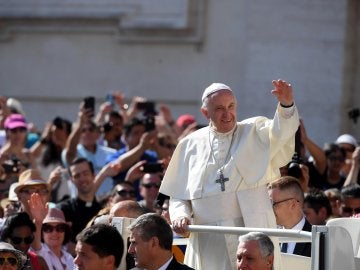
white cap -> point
(213, 88)
(347, 138)
(15, 105)
(12, 195)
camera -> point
(148, 107)
(11, 165)
(294, 169)
(152, 167)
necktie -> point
(284, 247)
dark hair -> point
(14, 221)
(153, 225)
(123, 183)
(350, 192)
(52, 153)
(115, 114)
(332, 148)
(105, 241)
(132, 123)
(81, 160)
(316, 199)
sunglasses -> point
(30, 191)
(351, 210)
(10, 260)
(150, 185)
(18, 240)
(16, 130)
(125, 193)
(46, 228)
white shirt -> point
(299, 226)
(53, 261)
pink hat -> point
(15, 121)
(55, 215)
(185, 120)
(213, 88)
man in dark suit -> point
(151, 243)
(288, 202)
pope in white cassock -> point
(218, 174)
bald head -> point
(130, 209)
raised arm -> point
(38, 211)
(315, 151)
(134, 155)
(355, 168)
(74, 137)
(283, 92)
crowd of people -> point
(61, 187)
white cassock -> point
(258, 148)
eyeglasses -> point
(276, 203)
(19, 129)
(350, 210)
(150, 185)
(46, 228)
(126, 193)
(18, 240)
(41, 191)
(10, 260)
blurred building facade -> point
(53, 53)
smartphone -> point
(152, 167)
(110, 99)
(89, 103)
(149, 123)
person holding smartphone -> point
(83, 142)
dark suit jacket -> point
(304, 249)
(175, 265)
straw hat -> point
(12, 197)
(22, 258)
(30, 177)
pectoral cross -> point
(222, 181)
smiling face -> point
(82, 177)
(54, 234)
(220, 109)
